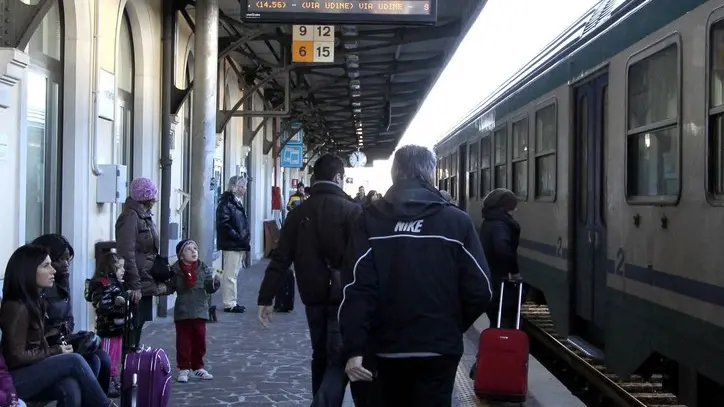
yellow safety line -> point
(464, 389)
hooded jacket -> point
(415, 277)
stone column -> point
(206, 47)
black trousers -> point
(417, 382)
(329, 380)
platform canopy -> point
(367, 93)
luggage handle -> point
(519, 282)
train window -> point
(500, 157)
(485, 166)
(653, 110)
(520, 158)
(546, 137)
(473, 153)
(716, 112)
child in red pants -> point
(193, 282)
(106, 292)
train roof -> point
(590, 41)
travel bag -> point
(146, 372)
(502, 365)
(284, 299)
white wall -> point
(84, 222)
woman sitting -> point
(40, 372)
(58, 310)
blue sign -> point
(292, 156)
(298, 138)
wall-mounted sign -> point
(417, 12)
(106, 95)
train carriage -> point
(612, 140)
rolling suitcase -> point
(502, 365)
(145, 373)
(284, 300)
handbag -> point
(161, 270)
(84, 343)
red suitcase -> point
(502, 366)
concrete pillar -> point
(206, 48)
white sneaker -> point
(183, 376)
(202, 374)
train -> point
(612, 138)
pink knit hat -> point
(143, 189)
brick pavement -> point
(252, 366)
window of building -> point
(485, 165)
(546, 135)
(716, 111)
(43, 127)
(653, 111)
(520, 158)
(500, 140)
(473, 154)
(124, 112)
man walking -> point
(314, 238)
(232, 238)
(416, 279)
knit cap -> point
(182, 245)
(143, 189)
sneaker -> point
(183, 376)
(236, 309)
(201, 374)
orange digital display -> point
(421, 12)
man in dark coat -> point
(415, 280)
(233, 239)
(314, 238)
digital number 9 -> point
(303, 30)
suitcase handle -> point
(516, 281)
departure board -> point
(408, 12)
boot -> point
(114, 390)
(212, 314)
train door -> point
(590, 232)
(462, 177)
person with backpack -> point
(314, 239)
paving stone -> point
(252, 366)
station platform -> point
(253, 366)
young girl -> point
(107, 295)
(194, 282)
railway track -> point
(585, 376)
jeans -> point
(329, 380)
(100, 364)
(64, 378)
(417, 382)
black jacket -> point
(58, 309)
(314, 237)
(415, 277)
(109, 315)
(232, 225)
(500, 235)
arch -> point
(125, 70)
(42, 127)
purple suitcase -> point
(146, 378)
(146, 372)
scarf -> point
(189, 273)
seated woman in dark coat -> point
(59, 312)
(40, 372)
(499, 235)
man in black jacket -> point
(232, 238)
(314, 238)
(416, 279)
